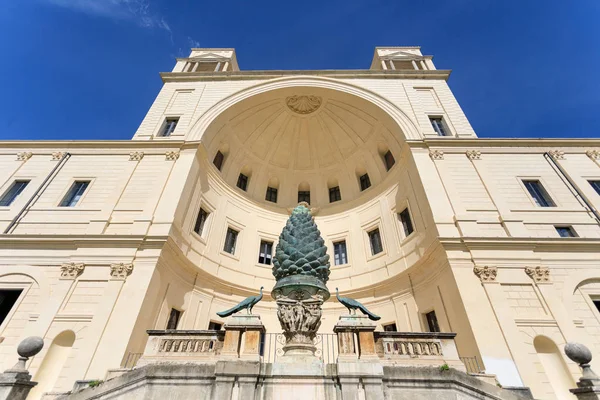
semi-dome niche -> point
(303, 136)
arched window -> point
(554, 367)
(304, 192)
(53, 363)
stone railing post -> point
(355, 338)
(242, 337)
(15, 383)
(588, 387)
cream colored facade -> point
(483, 256)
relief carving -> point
(436, 154)
(71, 270)
(136, 156)
(485, 273)
(303, 104)
(171, 155)
(557, 154)
(24, 156)
(300, 320)
(474, 154)
(538, 274)
(593, 154)
(120, 271)
(57, 155)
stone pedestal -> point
(355, 338)
(242, 337)
(587, 393)
(15, 385)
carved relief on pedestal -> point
(593, 154)
(485, 273)
(71, 270)
(538, 274)
(120, 271)
(57, 155)
(300, 321)
(303, 104)
(557, 154)
(24, 156)
(171, 155)
(436, 154)
(136, 155)
(473, 154)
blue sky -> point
(88, 69)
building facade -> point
(429, 226)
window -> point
(340, 255)
(74, 194)
(242, 182)
(389, 160)
(304, 195)
(214, 326)
(218, 160)
(169, 126)
(200, 221)
(565, 231)
(390, 328)
(375, 241)
(432, 322)
(407, 224)
(173, 319)
(265, 254)
(538, 193)
(365, 182)
(334, 194)
(13, 192)
(595, 185)
(8, 298)
(271, 194)
(230, 240)
(439, 126)
(596, 303)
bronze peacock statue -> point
(247, 303)
(352, 304)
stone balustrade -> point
(182, 346)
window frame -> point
(410, 220)
(389, 324)
(445, 128)
(333, 245)
(270, 191)
(8, 286)
(179, 315)
(385, 160)
(221, 324)
(220, 154)
(165, 131)
(366, 179)
(337, 194)
(204, 224)
(260, 247)
(369, 233)
(18, 194)
(235, 243)
(595, 184)
(68, 190)
(242, 179)
(427, 321)
(551, 204)
(304, 192)
(569, 228)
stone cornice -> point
(263, 75)
(25, 241)
(538, 244)
(516, 145)
(95, 146)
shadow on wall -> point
(53, 363)
(555, 368)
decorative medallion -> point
(485, 273)
(71, 270)
(436, 154)
(593, 154)
(538, 274)
(120, 271)
(136, 156)
(557, 154)
(303, 104)
(473, 154)
(24, 156)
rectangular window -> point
(407, 224)
(389, 160)
(375, 241)
(304, 196)
(230, 241)
(200, 221)
(242, 182)
(214, 326)
(74, 194)
(271, 195)
(596, 303)
(439, 126)
(538, 193)
(8, 298)
(169, 126)
(334, 194)
(174, 317)
(565, 231)
(390, 328)
(432, 322)
(265, 254)
(340, 255)
(365, 182)
(595, 185)
(218, 160)
(13, 192)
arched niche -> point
(53, 363)
(554, 366)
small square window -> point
(304, 195)
(565, 231)
(200, 221)
(390, 328)
(432, 322)
(13, 192)
(242, 182)
(214, 326)
(538, 193)
(230, 241)
(74, 194)
(340, 255)
(389, 160)
(596, 185)
(407, 224)
(218, 160)
(271, 194)
(169, 126)
(265, 254)
(334, 194)
(375, 241)
(174, 318)
(439, 126)
(365, 182)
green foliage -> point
(301, 249)
(444, 367)
(95, 383)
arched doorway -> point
(53, 363)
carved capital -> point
(538, 274)
(57, 155)
(136, 156)
(171, 155)
(24, 156)
(71, 270)
(473, 154)
(436, 154)
(120, 271)
(593, 154)
(485, 273)
(557, 154)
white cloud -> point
(192, 43)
